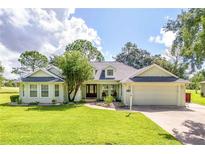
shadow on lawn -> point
(53, 108)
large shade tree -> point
(87, 48)
(134, 56)
(139, 58)
(76, 69)
(30, 61)
(189, 27)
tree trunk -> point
(75, 92)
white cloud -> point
(8, 60)
(165, 38)
(45, 30)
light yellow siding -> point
(40, 74)
(154, 71)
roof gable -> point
(155, 70)
(41, 73)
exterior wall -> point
(154, 71)
(27, 99)
(40, 74)
(203, 88)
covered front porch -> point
(99, 90)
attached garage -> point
(155, 94)
(154, 86)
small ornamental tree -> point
(76, 69)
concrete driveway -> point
(186, 124)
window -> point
(109, 72)
(23, 90)
(44, 90)
(33, 90)
(56, 90)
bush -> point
(14, 98)
(53, 101)
(108, 100)
(19, 101)
(202, 94)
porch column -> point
(131, 97)
(124, 94)
(179, 95)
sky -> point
(50, 30)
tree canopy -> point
(139, 58)
(87, 48)
(189, 43)
(196, 79)
(133, 56)
(76, 69)
(31, 60)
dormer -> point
(110, 72)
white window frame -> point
(106, 73)
(58, 90)
(41, 91)
(33, 90)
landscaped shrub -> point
(108, 100)
(202, 94)
(14, 98)
(54, 101)
(19, 101)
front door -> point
(91, 90)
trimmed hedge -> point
(14, 98)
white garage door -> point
(154, 95)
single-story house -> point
(202, 88)
(150, 85)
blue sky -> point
(50, 30)
(117, 26)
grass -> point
(6, 92)
(76, 124)
(196, 97)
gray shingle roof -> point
(155, 79)
(123, 73)
(41, 79)
(122, 70)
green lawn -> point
(197, 98)
(6, 92)
(76, 124)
